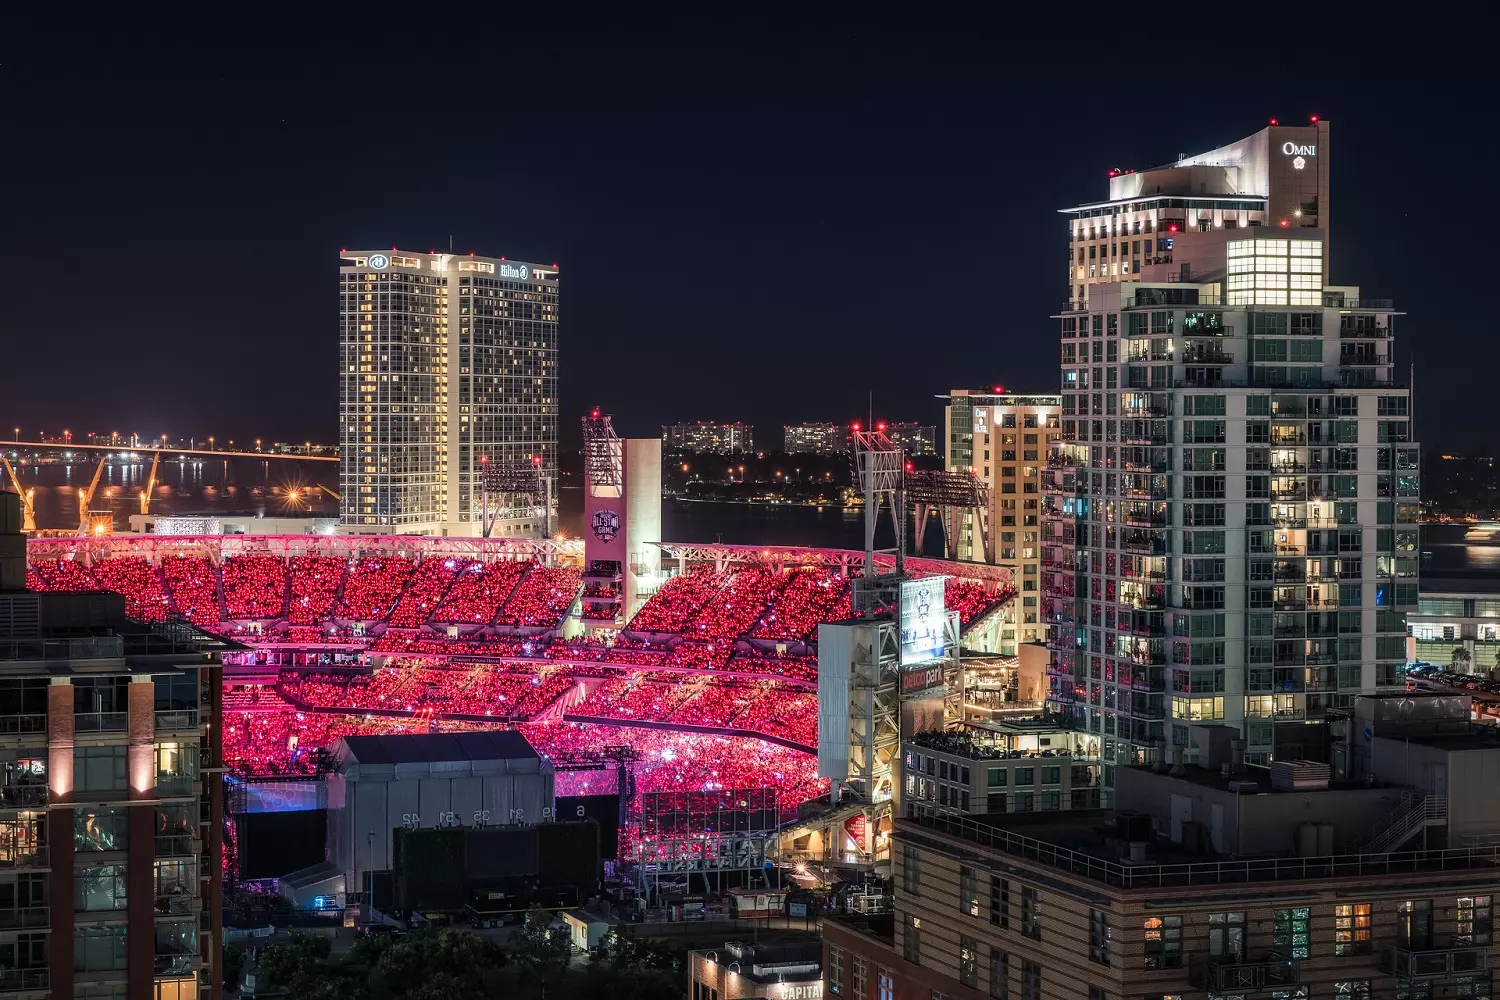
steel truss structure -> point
(603, 456)
(727, 830)
(875, 711)
(546, 551)
(509, 491)
(949, 495)
(879, 474)
(723, 557)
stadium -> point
(711, 683)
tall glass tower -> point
(1230, 533)
(448, 365)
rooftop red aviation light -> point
(880, 427)
(1284, 223)
(855, 425)
(1172, 228)
(999, 389)
(1275, 122)
(1313, 119)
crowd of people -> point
(477, 592)
(429, 583)
(315, 586)
(290, 742)
(480, 690)
(254, 586)
(190, 580)
(60, 575)
(541, 598)
(809, 597)
(970, 599)
(372, 587)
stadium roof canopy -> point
(436, 748)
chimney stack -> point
(1237, 756)
(1161, 756)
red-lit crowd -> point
(268, 743)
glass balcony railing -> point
(24, 980)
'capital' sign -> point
(1292, 149)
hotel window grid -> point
(1031, 980)
(1226, 936)
(1163, 937)
(999, 901)
(911, 941)
(885, 985)
(1292, 932)
(1031, 923)
(999, 974)
(1099, 937)
(968, 891)
(835, 970)
(968, 962)
(861, 974)
(911, 870)
(1474, 923)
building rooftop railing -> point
(1129, 875)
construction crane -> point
(85, 497)
(150, 485)
(28, 497)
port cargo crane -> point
(85, 497)
(28, 497)
(150, 484)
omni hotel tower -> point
(1230, 516)
(447, 362)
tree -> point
(466, 964)
(298, 961)
(234, 966)
(1460, 660)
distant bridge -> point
(166, 452)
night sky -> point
(771, 253)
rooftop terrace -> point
(1084, 843)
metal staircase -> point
(1415, 813)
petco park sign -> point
(1292, 149)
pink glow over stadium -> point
(713, 681)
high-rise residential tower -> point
(1004, 439)
(1231, 513)
(1276, 179)
(111, 798)
(448, 365)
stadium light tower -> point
(879, 471)
(509, 490)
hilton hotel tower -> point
(1230, 515)
(447, 361)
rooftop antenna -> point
(450, 242)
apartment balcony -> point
(21, 858)
(24, 917)
(23, 796)
(1239, 975)
(1204, 354)
(1410, 965)
(25, 980)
